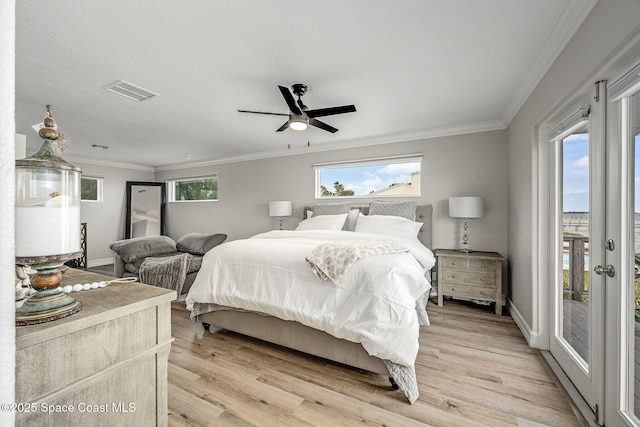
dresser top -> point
(475, 254)
(98, 306)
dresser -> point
(103, 366)
(470, 276)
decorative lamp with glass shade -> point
(280, 209)
(47, 226)
(466, 208)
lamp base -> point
(466, 251)
(49, 302)
(46, 306)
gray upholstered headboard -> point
(424, 214)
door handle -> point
(600, 270)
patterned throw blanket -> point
(166, 272)
(332, 260)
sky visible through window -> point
(365, 179)
(575, 182)
(576, 173)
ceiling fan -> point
(299, 114)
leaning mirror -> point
(145, 209)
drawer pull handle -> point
(483, 265)
(453, 276)
(482, 279)
(453, 263)
(481, 292)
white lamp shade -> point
(280, 208)
(466, 207)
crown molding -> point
(355, 143)
(571, 18)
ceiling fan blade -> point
(322, 112)
(291, 102)
(322, 125)
(283, 127)
(262, 112)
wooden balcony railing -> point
(577, 286)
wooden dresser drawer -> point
(452, 263)
(470, 277)
(470, 291)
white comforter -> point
(373, 304)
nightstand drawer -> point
(463, 290)
(470, 277)
(483, 265)
(468, 264)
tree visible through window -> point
(91, 189)
(339, 191)
(382, 177)
(195, 189)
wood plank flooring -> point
(474, 369)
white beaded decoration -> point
(82, 287)
(94, 285)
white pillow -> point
(350, 223)
(323, 222)
(388, 225)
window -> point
(194, 189)
(380, 177)
(91, 188)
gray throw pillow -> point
(131, 250)
(331, 208)
(199, 244)
(352, 218)
(402, 209)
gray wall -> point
(105, 220)
(611, 24)
(472, 164)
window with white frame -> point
(397, 176)
(91, 188)
(197, 189)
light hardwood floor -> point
(474, 368)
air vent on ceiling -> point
(130, 91)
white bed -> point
(368, 318)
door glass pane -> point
(576, 305)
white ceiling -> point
(413, 69)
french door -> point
(578, 245)
(594, 255)
(622, 327)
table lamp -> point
(466, 208)
(280, 209)
(47, 226)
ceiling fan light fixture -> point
(298, 124)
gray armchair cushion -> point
(131, 250)
(199, 244)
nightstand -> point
(470, 276)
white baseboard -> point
(99, 262)
(532, 337)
